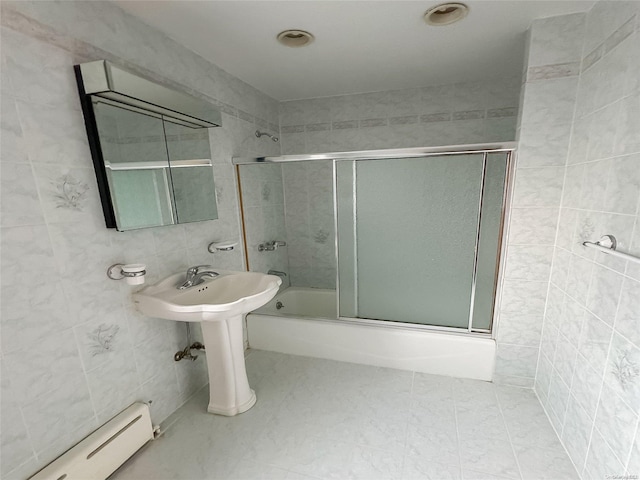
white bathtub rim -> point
(369, 322)
(461, 355)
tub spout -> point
(277, 273)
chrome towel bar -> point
(607, 244)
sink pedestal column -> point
(229, 392)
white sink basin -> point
(219, 304)
(216, 299)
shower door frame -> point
(508, 148)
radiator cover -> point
(101, 453)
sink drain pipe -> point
(186, 352)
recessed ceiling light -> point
(446, 14)
(295, 38)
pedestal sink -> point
(219, 304)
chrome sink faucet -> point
(196, 275)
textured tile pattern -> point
(292, 202)
(588, 374)
(95, 355)
(319, 419)
(263, 208)
(308, 192)
(473, 112)
(547, 104)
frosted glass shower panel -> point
(489, 240)
(347, 267)
(416, 222)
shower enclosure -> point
(415, 239)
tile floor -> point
(321, 419)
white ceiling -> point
(360, 46)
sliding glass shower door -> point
(418, 238)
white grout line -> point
(593, 426)
(33, 458)
(455, 416)
(84, 373)
(504, 421)
(636, 438)
(610, 325)
(573, 372)
(559, 438)
(561, 201)
(406, 430)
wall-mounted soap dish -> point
(221, 246)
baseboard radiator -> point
(101, 453)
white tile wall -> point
(473, 112)
(74, 352)
(264, 216)
(588, 372)
(544, 126)
(582, 80)
(308, 193)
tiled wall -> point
(544, 126)
(461, 113)
(437, 115)
(308, 193)
(588, 376)
(73, 350)
(263, 207)
(291, 202)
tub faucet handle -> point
(271, 246)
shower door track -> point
(383, 154)
(419, 152)
(392, 324)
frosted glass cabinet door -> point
(416, 229)
(489, 240)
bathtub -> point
(306, 324)
(303, 302)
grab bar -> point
(607, 244)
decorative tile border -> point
(345, 124)
(247, 117)
(593, 57)
(318, 127)
(558, 70)
(468, 115)
(228, 109)
(435, 117)
(404, 120)
(373, 122)
(619, 35)
(502, 112)
(85, 51)
(612, 41)
(292, 129)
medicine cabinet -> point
(150, 148)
